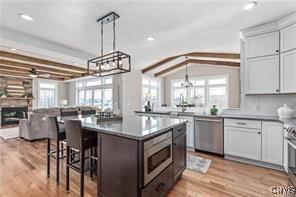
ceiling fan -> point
(33, 73)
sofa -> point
(35, 126)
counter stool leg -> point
(91, 162)
(58, 162)
(82, 173)
(48, 157)
(67, 167)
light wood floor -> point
(23, 173)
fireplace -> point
(11, 115)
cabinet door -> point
(262, 75)
(272, 142)
(262, 45)
(190, 134)
(288, 38)
(179, 154)
(288, 72)
(242, 142)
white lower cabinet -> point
(285, 152)
(264, 143)
(189, 130)
(272, 142)
(242, 142)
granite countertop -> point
(291, 121)
(133, 126)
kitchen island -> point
(138, 155)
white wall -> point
(207, 70)
(62, 92)
(131, 92)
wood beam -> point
(38, 68)
(25, 75)
(193, 54)
(42, 61)
(197, 61)
(26, 71)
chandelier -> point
(186, 83)
(112, 63)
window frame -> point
(40, 81)
(206, 88)
(149, 86)
(93, 88)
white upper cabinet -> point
(262, 75)
(272, 142)
(288, 72)
(262, 45)
(288, 38)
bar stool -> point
(55, 132)
(78, 141)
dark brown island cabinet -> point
(146, 167)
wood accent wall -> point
(17, 91)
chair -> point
(78, 141)
(55, 132)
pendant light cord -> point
(102, 33)
(186, 61)
(114, 36)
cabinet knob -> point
(259, 133)
(277, 51)
(277, 90)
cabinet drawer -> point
(179, 130)
(160, 185)
(253, 124)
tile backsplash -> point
(264, 104)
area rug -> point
(9, 133)
(198, 164)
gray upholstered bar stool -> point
(78, 141)
(57, 133)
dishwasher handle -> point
(208, 120)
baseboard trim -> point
(254, 162)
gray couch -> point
(35, 126)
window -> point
(47, 95)
(151, 90)
(205, 92)
(96, 92)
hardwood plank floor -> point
(23, 173)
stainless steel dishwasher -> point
(209, 135)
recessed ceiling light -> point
(12, 49)
(150, 38)
(250, 5)
(26, 17)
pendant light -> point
(112, 63)
(186, 83)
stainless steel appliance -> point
(157, 155)
(209, 135)
(291, 139)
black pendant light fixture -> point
(186, 83)
(112, 63)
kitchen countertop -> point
(291, 121)
(133, 126)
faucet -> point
(182, 102)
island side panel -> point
(118, 169)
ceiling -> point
(69, 27)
